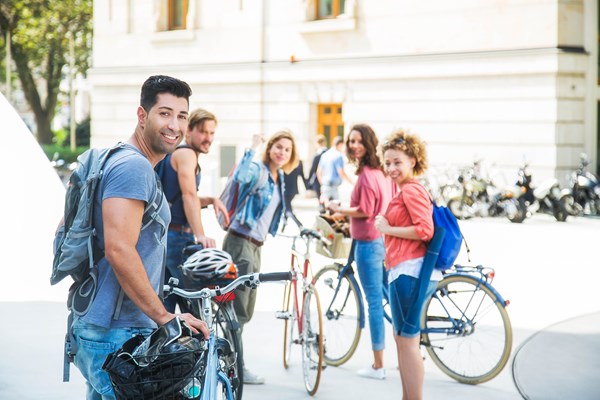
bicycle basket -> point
(162, 366)
(337, 234)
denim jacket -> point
(247, 174)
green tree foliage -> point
(40, 32)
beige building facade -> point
(499, 80)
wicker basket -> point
(340, 244)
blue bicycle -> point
(464, 327)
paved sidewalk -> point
(31, 364)
(537, 268)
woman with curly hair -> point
(407, 226)
(370, 197)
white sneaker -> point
(252, 379)
(372, 373)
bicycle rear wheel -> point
(312, 340)
(290, 323)
(341, 314)
(228, 327)
(466, 330)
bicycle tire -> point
(228, 327)
(341, 314)
(290, 324)
(477, 347)
(312, 340)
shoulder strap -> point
(151, 212)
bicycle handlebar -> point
(250, 280)
(315, 234)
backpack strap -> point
(152, 209)
(433, 204)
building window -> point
(330, 8)
(330, 121)
(178, 10)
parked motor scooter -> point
(544, 199)
(583, 194)
(475, 195)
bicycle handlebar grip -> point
(316, 235)
(275, 276)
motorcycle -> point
(470, 197)
(478, 196)
(583, 195)
(546, 198)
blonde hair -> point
(411, 145)
(294, 159)
(198, 116)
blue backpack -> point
(452, 240)
(230, 196)
(452, 237)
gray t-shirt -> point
(128, 174)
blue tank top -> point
(173, 191)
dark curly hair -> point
(370, 141)
(412, 145)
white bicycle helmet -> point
(207, 264)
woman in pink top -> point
(407, 226)
(370, 197)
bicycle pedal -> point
(283, 315)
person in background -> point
(130, 274)
(180, 177)
(370, 197)
(291, 190)
(313, 182)
(260, 215)
(330, 171)
(407, 226)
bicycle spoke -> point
(341, 317)
(312, 341)
(467, 331)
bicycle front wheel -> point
(341, 312)
(466, 330)
(228, 327)
(312, 340)
(290, 322)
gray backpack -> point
(76, 250)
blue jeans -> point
(406, 308)
(176, 241)
(94, 344)
(369, 257)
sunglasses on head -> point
(394, 142)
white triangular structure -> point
(31, 205)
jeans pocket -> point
(89, 359)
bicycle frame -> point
(483, 278)
(347, 270)
(296, 255)
(210, 384)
